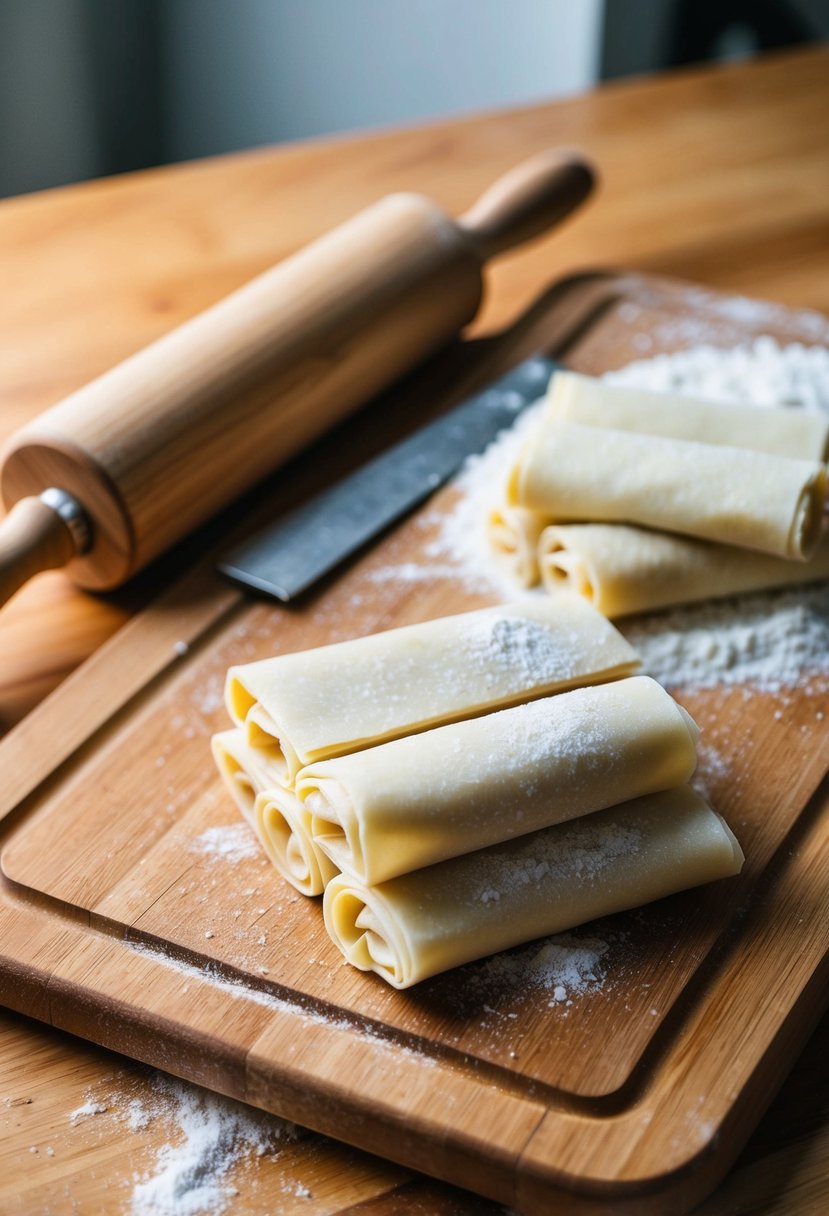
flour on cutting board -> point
(770, 641)
(229, 842)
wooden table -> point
(716, 175)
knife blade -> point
(288, 557)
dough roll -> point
(781, 431)
(422, 923)
(284, 827)
(750, 499)
(513, 535)
(458, 788)
(278, 817)
(622, 569)
(337, 699)
(245, 770)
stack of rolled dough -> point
(467, 784)
(638, 500)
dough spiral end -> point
(283, 826)
(513, 540)
(361, 927)
(808, 517)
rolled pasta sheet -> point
(284, 827)
(245, 770)
(749, 499)
(456, 789)
(513, 535)
(423, 923)
(337, 699)
(783, 432)
(621, 569)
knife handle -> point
(527, 201)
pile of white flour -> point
(770, 641)
(210, 1138)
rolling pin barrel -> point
(155, 446)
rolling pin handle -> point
(527, 200)
(40, 533)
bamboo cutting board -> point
(633, 1095)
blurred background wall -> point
(91, 87)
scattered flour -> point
(88, 1109)
(212, 1135)
(566, 965)
(230, 842)
(770, 641)
(758, 373)
(208, 1136)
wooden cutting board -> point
(633, 1094)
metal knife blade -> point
(288, 557)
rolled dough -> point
(458, 788)
(423, 923)
(283, 825)
(622, 569)
(338, 699)
(513, 534)
(750, 499)
(781, 431)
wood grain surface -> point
(736, 225)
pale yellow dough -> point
(284, 824)
(278, 817)
(750, 499)
(423, 923)
(781, 431)
(245, 770)
(513, 535)
(337, 699)
(458, 788)
(622, 569)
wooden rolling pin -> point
(121, 469)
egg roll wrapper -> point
(749, 499)
(420, 924)
(513, 535)
(456, 789)
(283, 824)
(276, 815)
(245, 770)
(622, 569)
(781, 431)
(342, 698)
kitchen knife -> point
(288, 557)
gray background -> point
(91, 87)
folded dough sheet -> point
(279, 819)
(458, 788)
(422, 923)
(780, 431)
(338, 699)
(751, 499)
(622, 569)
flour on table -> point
(212, 1134)
(87, 1110)
(208, 1137)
